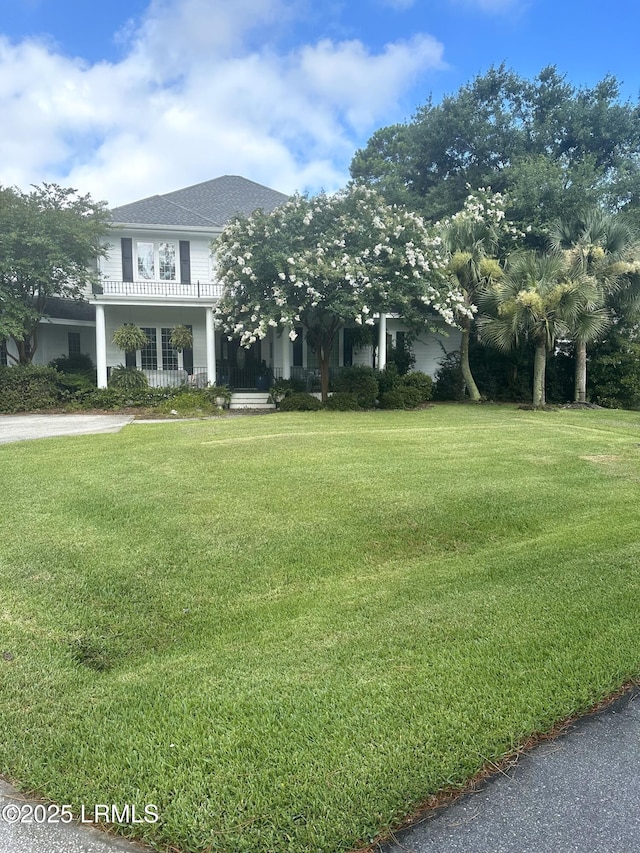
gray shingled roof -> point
(212, 203)
(69, 309)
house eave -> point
(182, 229)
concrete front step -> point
(251, 400)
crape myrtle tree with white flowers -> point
(325, 261)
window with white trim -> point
(149, 353)
(73, 339)
(156, 261)
(169, 354)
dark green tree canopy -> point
(49, 243)
(552, 147)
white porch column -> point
(211, 346)
(101, 347)
(286, 353)
(382, 342)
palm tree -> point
(606, 247)
(539, 299)
(469, 245)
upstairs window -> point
(156, 261)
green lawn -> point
(286, 631)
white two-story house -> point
(159, 272)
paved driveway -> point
(22, 427)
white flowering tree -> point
(326, 261)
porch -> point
(243, 380)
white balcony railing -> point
(197, 290)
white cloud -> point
(202, 91)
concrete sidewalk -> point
(579, 793)
(23, 427)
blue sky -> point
(126, 99)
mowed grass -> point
(287, 631)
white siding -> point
(156, 317)
(53, 341)
(111, 266)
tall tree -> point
(327, 261)
(551, 146)
(49, 243)
(606, 246)
(474, 239)
(538, 299)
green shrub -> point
(300, 401)
(449, 384)
(400, 397)
(281, 388)
(614, 372)
(76, 385)
(77, 377)
(342, 401)
(103, 398)
(387, 379)
(24, 388)
(412, 396)
(127, 378)
(213, 393)
(81, 363)
(190, 402)
(393, 399)
(402, 357)
(422, 383)
(359, 380)
(122, 398)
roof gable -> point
(212, 203)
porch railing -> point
(198, 290)
(245, 379)
(238, 379)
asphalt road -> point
(579, 793)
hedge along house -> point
(159, 273)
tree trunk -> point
(539, 371)
(472, 388)
(580, 395)
(26, 350)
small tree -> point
(50, 241)
(326, 261)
